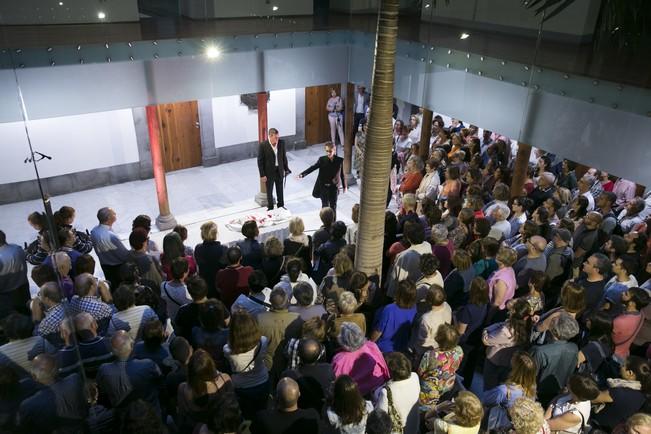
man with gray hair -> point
(535, 260)
(286, 417)
(631, 215)
(128, 378)
(278, 325)
(584, 185)
(544, 190)
(556, 361)
(59, 405)
(110, 250)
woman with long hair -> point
(173, 248)
(578, 209)
(200, 396)
(245, 352)
(520, 382)
(502, 340)
(594, 354)
(348, 411)
(572, 302)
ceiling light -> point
(60, 3)
(274, 8)
(212, 52)
(464, 35)
(427, 5)
(101, 15)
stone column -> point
(165, 219)
(349, 139)
(425, 133)
(520, 169)
(263, 127)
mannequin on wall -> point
(335, 107)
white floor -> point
(220, 193)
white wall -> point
(76, 143)
(235, 123)
(69, 12)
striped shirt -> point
(135, 317)
(19, 353)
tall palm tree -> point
(377, 158)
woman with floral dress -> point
(437, 370)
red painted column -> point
(263, 121)
(165, 220)
(263, 127)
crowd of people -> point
(494, 311)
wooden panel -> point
(317, 128)
(180, 135)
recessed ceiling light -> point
(101, 15)
(275, 8)
(60, 3)
(464, 35)
(427, 5)
(212, 52)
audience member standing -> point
(110, 250)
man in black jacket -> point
(273, 167)
(331, 173)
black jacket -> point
(330, 173)
(266, 159)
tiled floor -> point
(196, 195)
(220, 193)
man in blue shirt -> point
(14, 287)
(126, 380)
(110, 250)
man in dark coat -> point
(273, 167)
(331, 173)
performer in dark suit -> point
(331, 173)
(272, 164)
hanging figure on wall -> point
(335, 109)
(330, 178)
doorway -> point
(317, 127)
(180, 135)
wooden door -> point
(317, 128)
(180, 135)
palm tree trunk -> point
(377, 158)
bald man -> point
(60, 403)
(535, 260)
(315, 378)
(135, 379)
(286, 418)
(94, 350)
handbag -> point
(396, 421)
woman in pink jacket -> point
(361, 359)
